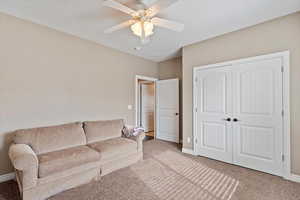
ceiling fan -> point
(143, 20)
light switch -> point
(129, 107)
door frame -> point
(136, 104)
(285, 56)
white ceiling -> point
(203, 19)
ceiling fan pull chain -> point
(143, 30)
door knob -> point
(235, 120)
(228, 119)
(176, 113)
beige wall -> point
(273, 36)
(48, 77)
(170, 69)
(173, 69)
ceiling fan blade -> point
(175, 26)
(118, 6)
(119, 26)
(160, 5)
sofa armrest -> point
(25, 160)
(139, 140)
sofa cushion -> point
(58, 161)
(102, 130)
(115, 148)
(53, 138)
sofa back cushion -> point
(53, 138)
(102, 130)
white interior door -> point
(168, 110)
(214, 108)
(258, 138)
(250, 95)
(147, 104)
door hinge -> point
(196, 109)
(282, 113)
(196, 79)
(282, 158)
(196, 140)
(282, 69)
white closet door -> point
(214, 106)
(168, 110)
(257, 135)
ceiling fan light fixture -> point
(143, 19)
(137, 28)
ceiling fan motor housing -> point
(142, 15)
(146, 2)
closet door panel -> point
(257, 135)
(213, 88)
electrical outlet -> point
(129, 107)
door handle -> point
(227, 119)
(235, 120)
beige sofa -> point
(50, 160)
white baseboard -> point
(7, 177)
(293, 177)
(168, 138)
(188, 151)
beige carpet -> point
(168, 174)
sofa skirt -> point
(47, 189)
